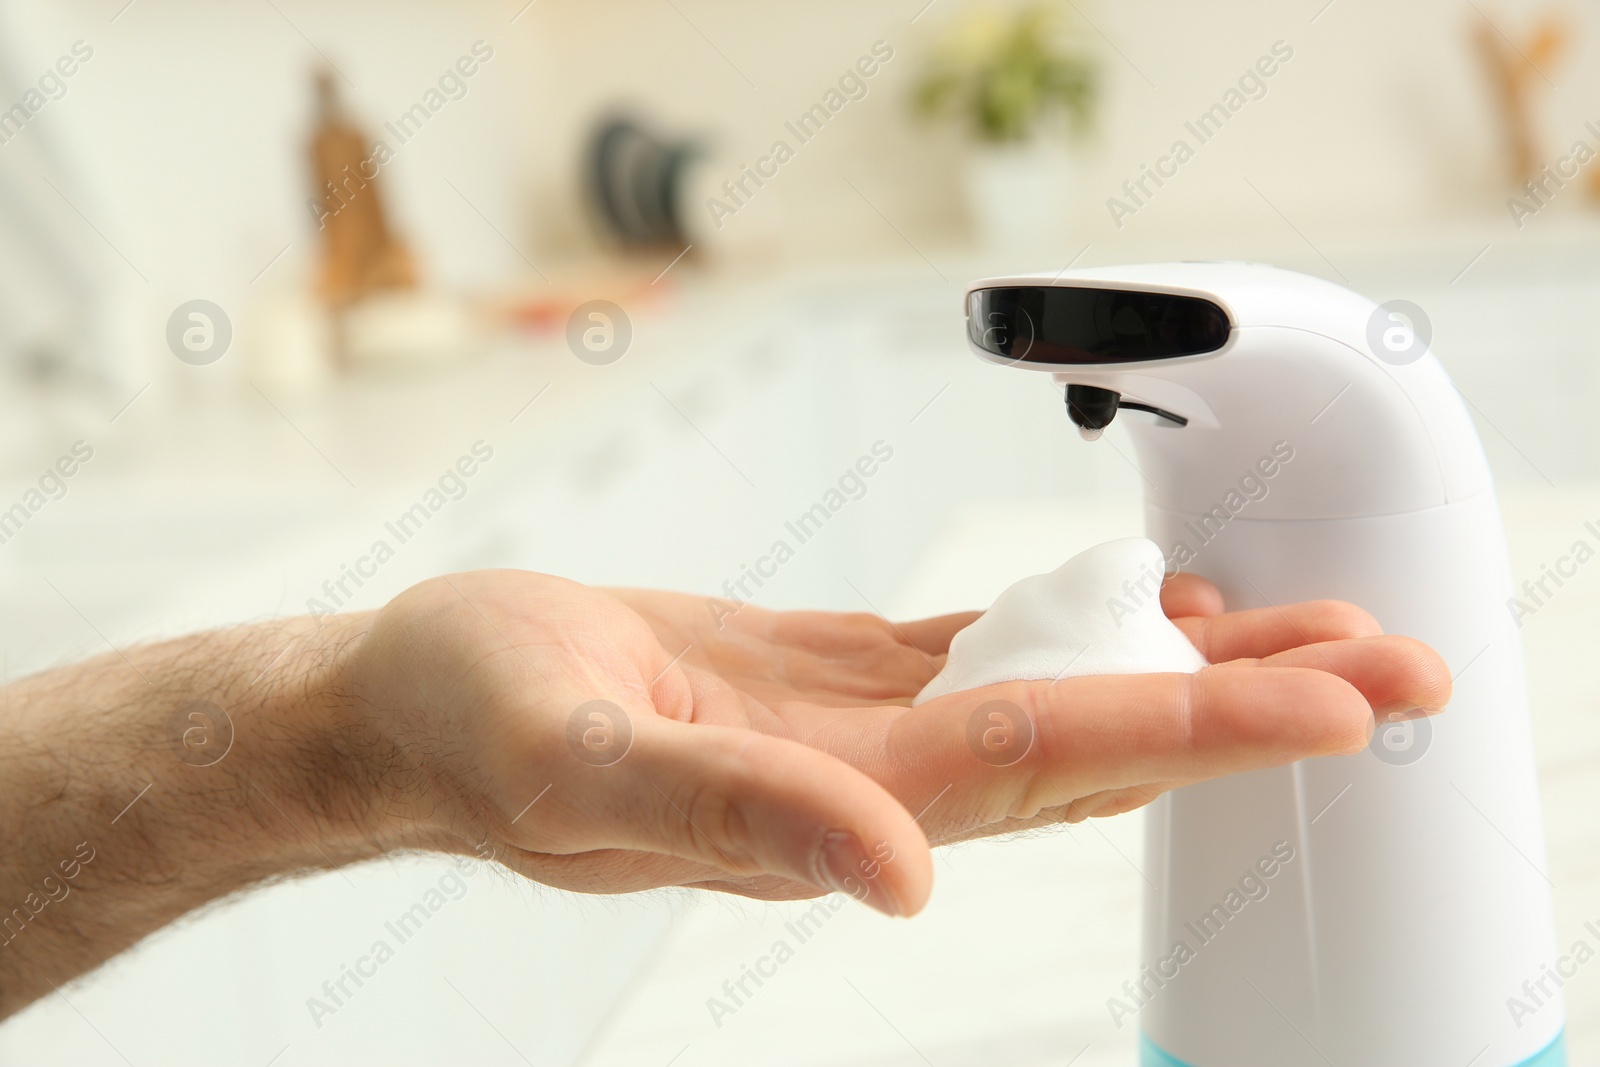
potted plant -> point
(1021, 83)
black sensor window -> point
(1067, 325)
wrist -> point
(301, 763)
(353, 748)
(338, 766)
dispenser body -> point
(1381, 909)
(1411, 900)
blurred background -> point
(272, 267)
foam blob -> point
(1098, 613)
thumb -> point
(753, 804)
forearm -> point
(135, 788)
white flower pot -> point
(1020, 197)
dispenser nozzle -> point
(1091, 409)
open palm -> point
(775, 754)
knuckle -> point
(715, 828)
(1052, 770)
(1189, 706)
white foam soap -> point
(1098, 613)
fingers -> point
(1132, 729)
(751, 805)
(1189, 595)
(1261, 632)
(1093, 734)
(847, 633)
(851, 658)
(933, 635)
(1391, 672)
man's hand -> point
(611, 742)
(616, 741)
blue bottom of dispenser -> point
(1553, 1055)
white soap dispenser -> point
(1300, 442)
